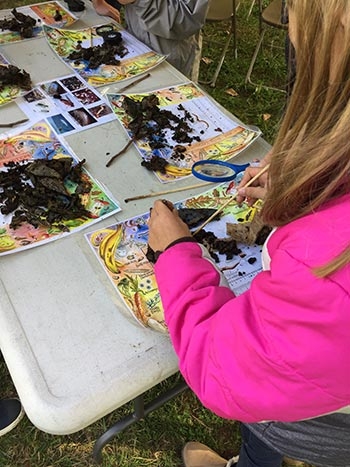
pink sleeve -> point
(268, 354)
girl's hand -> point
(165, 226)
(258, 189)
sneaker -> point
(11, 412)
(196, 454)
(288, 462)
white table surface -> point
(72, 350)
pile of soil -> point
(24, 24)
(35, 192)
(12, 75)
(150, 122)
(104, 54)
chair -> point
(221, 11)
(271, 16)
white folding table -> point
(72, 350)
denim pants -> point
(255, 453)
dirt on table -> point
(12, 75)
(35, 192)
(150, 122)
(103, 54)
(21, 23)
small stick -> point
(11, 124)
(150, 195)
(138, 80)
(91, 38)
(231, 198)
(133, 139)
(120, 152)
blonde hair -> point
(310, 162)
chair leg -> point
(248, 78)
(231, 35)
(252, 63)
(221, 61)
(251, 8)
(212, 81)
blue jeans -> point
(255, 453)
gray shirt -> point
(322, 441)
(170, 27)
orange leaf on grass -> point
(231, 92)
(207, 60)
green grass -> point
(158, 440)
(253, 105)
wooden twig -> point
(120, 152)
(11, 124)
(91, 38)
(132, 140)
(231, 198)
(136, 81)
(165, 192)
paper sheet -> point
(121, 250)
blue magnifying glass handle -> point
(217, 171)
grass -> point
(157, 440)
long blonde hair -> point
(310, 161)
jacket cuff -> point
(181, 240)
(153, 256)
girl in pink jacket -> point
(277, 357)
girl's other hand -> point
(165, 226)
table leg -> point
(140, 411)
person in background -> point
(109, 8)
(11, 413)
(277, 357)
(171, 28)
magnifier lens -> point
(104, 29)
(214, 171)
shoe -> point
(288, 462)
(11, 412)
(196, 454)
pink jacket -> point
(280, 351)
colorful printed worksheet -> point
(16, 27)
(68, 104)
(134, 57)
(18, 155)
(186, 127)
(122, 248)
(8, 92)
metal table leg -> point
(140, 411)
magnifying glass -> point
(108, 34)
(104, 29)
(217, 171)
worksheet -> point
(8, 92)
(133, 57)
(46, 192)
(122, 251)
(15, 27)
(181, 125)
(68, 103)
